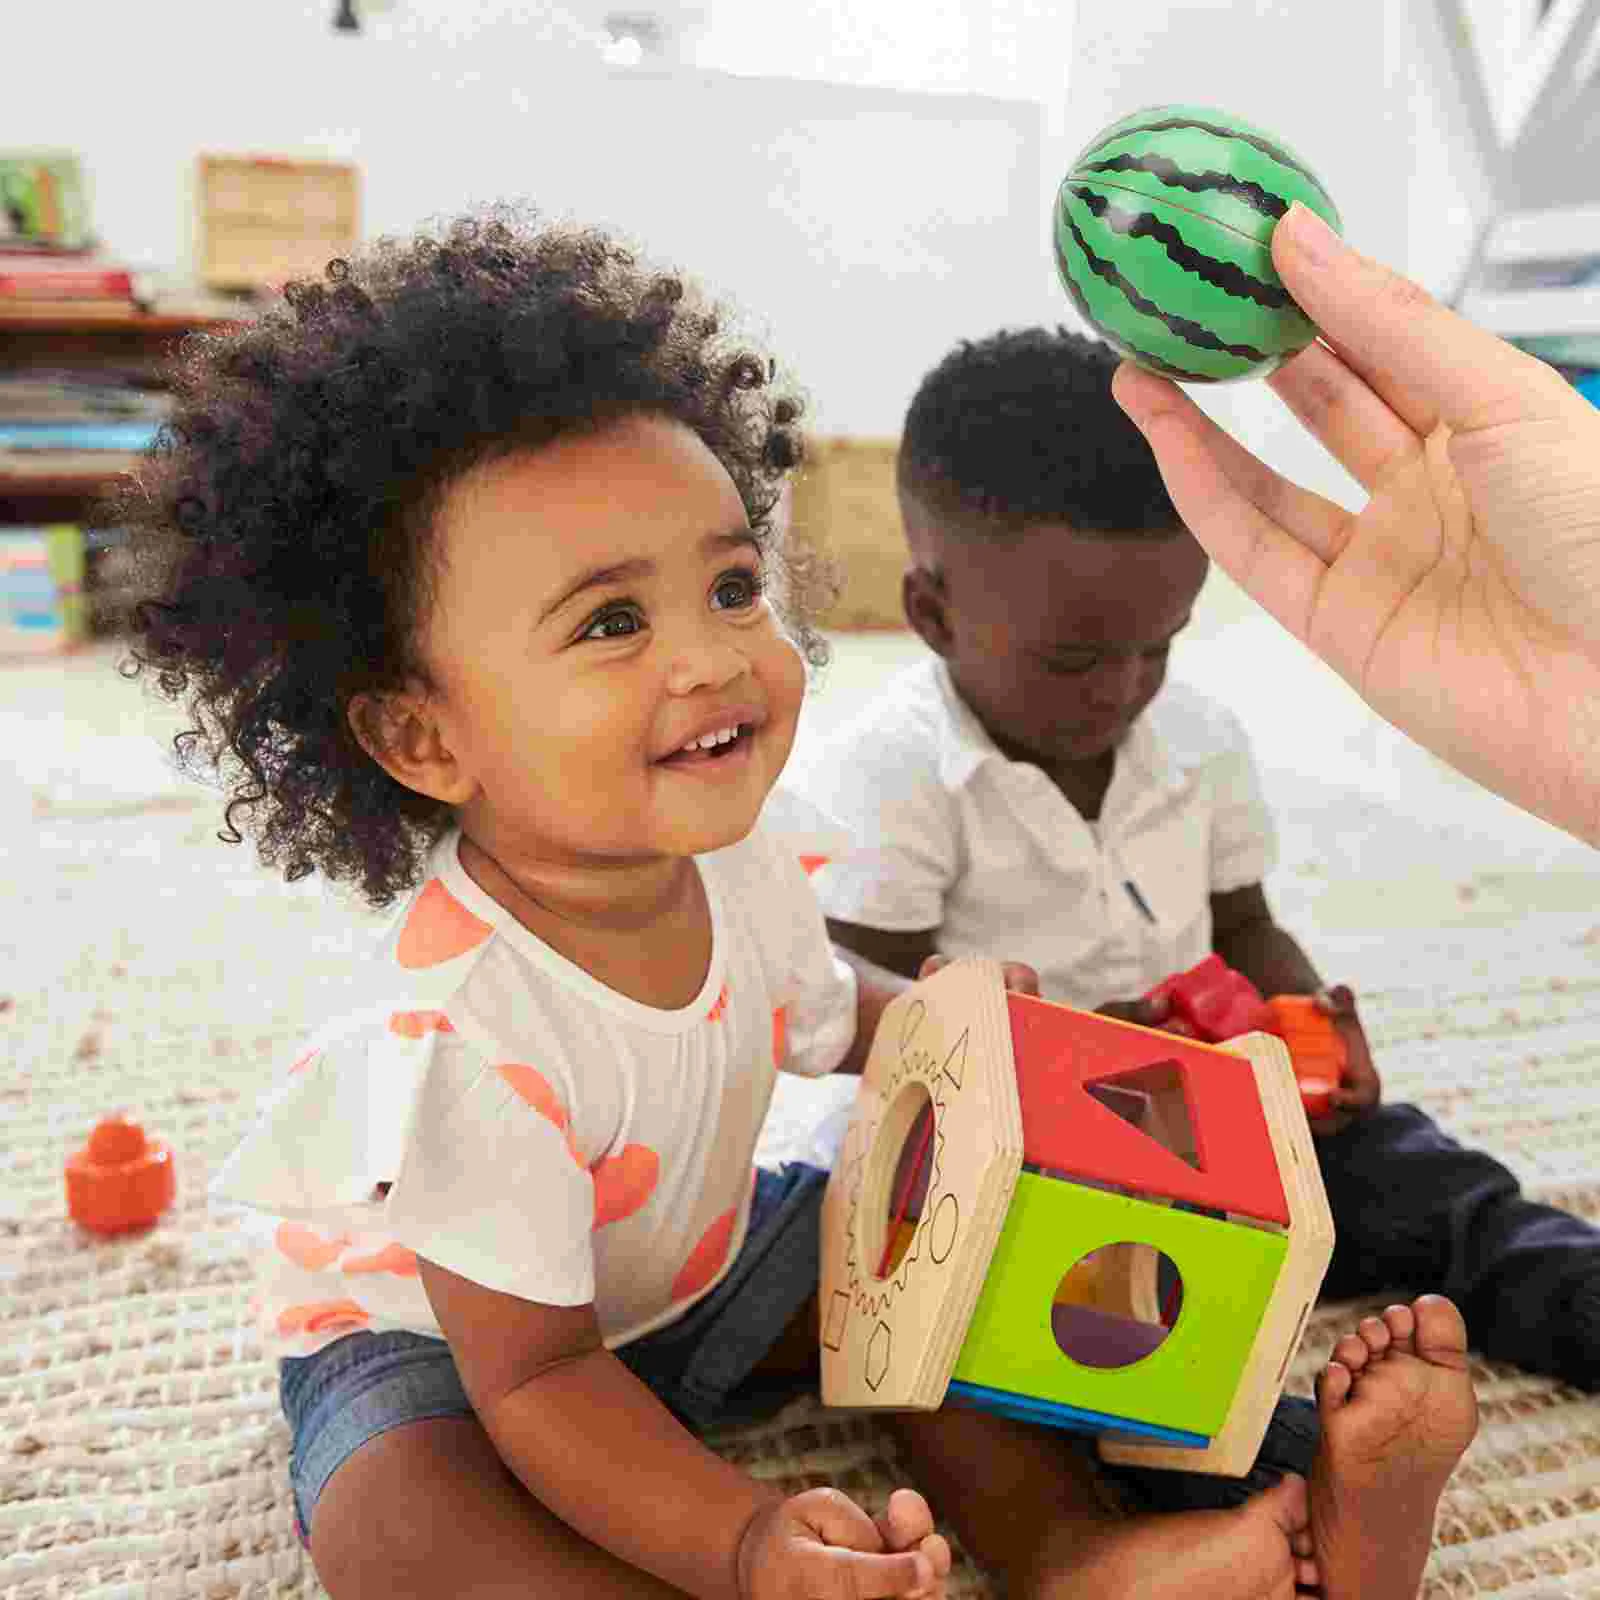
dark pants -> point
(1414, 1212)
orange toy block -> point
(1316, 1049)
(120, 1180)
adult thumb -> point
(1429, 364)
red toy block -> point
(1217, 1002)
(1060, 1053)
(1316, 1048)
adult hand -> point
(1463, 601)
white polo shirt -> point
(952, 835)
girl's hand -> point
(1463, 600)
(821, 1545)
(1019, 978)
(1360, 1089)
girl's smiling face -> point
(610, 683)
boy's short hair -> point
(1021, 428)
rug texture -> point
(145, 966)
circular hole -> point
(1116, 1305)
(902, 1168)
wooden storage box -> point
(844, 498)
(265, 219)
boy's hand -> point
(821, 1545)
(1150, 1012)
(1019, 978)
(1360, 1089)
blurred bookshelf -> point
(82, 395)
(87, 342)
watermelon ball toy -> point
(1163, 230)
(120, 1180)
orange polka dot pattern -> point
(324, 1317)
(393, 1258)
(623, 1184)
(419, 1024)
(706, 1259)
(438, 928)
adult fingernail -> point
(1311, 236)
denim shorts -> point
(702, 1367)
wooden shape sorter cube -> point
(1073, 1221)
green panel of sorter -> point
(1228, 1271)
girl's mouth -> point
(713, 747)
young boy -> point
(1036, 786)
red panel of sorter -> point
(1059, 1052)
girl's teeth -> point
(710, 741)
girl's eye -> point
(737, 590)
(614, 622)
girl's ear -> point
(402, 733)
(922, 593)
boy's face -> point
(598, 607)
(1056, 640)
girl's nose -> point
(704, 664)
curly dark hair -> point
(281, 527)
(1021, 427)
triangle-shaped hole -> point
(1151, 1099)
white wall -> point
(1000, 47)
(1007, 49)
(1449, 184)
(865, 229)
(868, 229)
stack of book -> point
(42, 602)
(50, 286)
(75, 422)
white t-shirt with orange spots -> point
(541, 1134)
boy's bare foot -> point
(1397, 1411)
(1259, 1552)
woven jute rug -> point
(144, 965)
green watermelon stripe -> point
(1275, 152)
(1169, 172)
(1144, 357)
(1227, 276)
(1195, 333)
